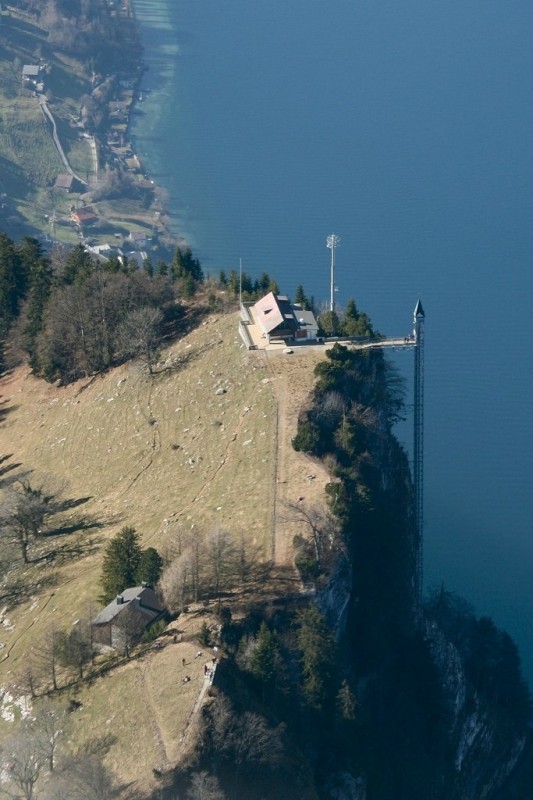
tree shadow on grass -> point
(66, 505)
(6, 409)
(83, 522)
(8, 467)
(67, 552)
(179, 321)
(19, 590)
(176, 364)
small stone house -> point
(123, 621)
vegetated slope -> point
(29, 159)
(198, 444)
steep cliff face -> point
(355, 697)
(486, 746)
(442, 714)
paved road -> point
(46, 111)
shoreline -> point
(175, 223)
(99, 194)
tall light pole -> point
(332, 242)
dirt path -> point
(298, 478)
(152, 715)
(188, 736)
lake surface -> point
(406, 129)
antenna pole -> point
(240, 282)
(332, 242)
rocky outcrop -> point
(485, 752)
(334, 598)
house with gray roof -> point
(124, 620)
(30, 72)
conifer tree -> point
(41, 279)
(11, 285)
(346, 702)
(30, 252)
(317, 647)
(329, 322)
(354, 322)
(78, 265)
(148, 267)
(264, 659)
(150, 566)
(184, 265)
(301, 299)
(120, 567)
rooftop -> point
(144, 599)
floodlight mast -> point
(332, 242)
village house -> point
(139, 240)
(123, 621)
(31, 72)
(275, 317)
(64, 182)
(307, 324)
(83, 216)
(279, 320)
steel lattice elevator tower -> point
(418, 449)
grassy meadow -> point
(204, 444)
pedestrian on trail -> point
(182, 662)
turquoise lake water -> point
(406, 129)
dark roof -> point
(306, 319)
(141, 598)
(64, 182)
(419, 311)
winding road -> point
(46, 111)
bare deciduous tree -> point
(320, 526)
(245, 738)
(82, 777)
(177, 581)
(138, 335)
(27, 510)
(205, 787)
(206, 566)
(48, 727)
(22, 765)
(46, 657)
(221, 560)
